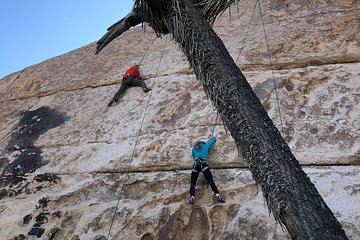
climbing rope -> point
(246, 33)
(241, 49)
(136, 142)
(142, 58)
(271, 67)
(270, 57)
(214, 126)
(13, 81)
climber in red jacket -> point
(130, 78)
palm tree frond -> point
(115, 30)
(155, 13)
(211, 9)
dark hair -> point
(197, 145)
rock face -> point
(72, 168)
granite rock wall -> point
(72, 168)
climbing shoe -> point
(110, 103)
(219, 198)
(192, 200)
(147, 90)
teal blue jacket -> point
(203, 152)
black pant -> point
(207, 174)
(128, 82)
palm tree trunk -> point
(289, 193)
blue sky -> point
(35, 30)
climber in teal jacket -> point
(201, 149)
(200, 152)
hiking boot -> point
(219, 198)
(192, 200)
(147, 90)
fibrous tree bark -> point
(289, 193)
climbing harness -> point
(199, 160)
(200, 166)
(136, 141)
(137, 63)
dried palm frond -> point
(155, 12)
(162, 15)
(211, 9)
(158, 12)
(118, 28)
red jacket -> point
(133, 71)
